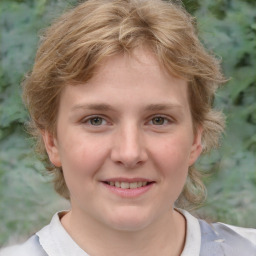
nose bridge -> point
(129, 148)
(131, 139)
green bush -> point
(229, 29)
(27, 200)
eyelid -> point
(86, 119)
(168, 118)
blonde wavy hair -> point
(75, 44)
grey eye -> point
(96, 121)
(158, 120)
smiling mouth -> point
(128, 185)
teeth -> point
(140, 184)
(117, 184)
(133, 185)
(127, 185)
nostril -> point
(129, 157)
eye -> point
(95, 121)
(159, 120)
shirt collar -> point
(57, 242)
(193, 235)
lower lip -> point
(129, 193)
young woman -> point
(120, 98)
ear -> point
(51, 147)
(196, 148)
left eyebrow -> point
(161, 107)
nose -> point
(129, 148)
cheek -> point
(81, 157)
(172, 161)
(173, 153)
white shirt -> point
(53, 240)
(56, 241)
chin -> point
(129, 220)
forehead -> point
(140, 59)
(139, 66)
(134, 79)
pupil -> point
(158, 120)
(96, 121)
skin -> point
(143, 130)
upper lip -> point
(129, 180)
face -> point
(125, 142)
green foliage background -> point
(27, 200)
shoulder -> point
(223, 239)
(40, 244)
(217, 239)
(31, 247)
(248, 233)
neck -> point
(163, 237)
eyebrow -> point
(107, 107)
(160, 107)
(99, 107)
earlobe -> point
(196, 148)
(51, 147)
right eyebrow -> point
(93, 106)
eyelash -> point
(166, 120)
(90, 118)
